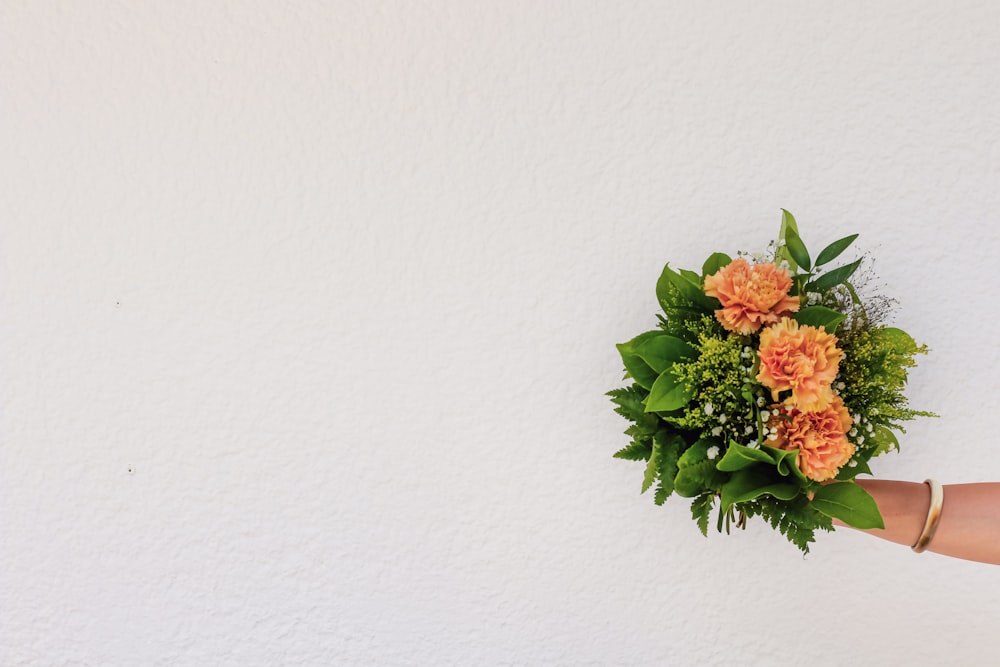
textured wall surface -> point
(307, 311)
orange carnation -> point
(820, 437)
(751, 295)
(801, 358)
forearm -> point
(969, 527)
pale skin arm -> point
(969, 527)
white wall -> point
(307, 311)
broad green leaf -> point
(752, 483)
(848, 502)
(797, 248)
(786, 462)
(901, 341)
(834, 277)
(832, 251)
(738, 457)
(696, 473)
(820, 316)
(660, 352)
(696, 453)
(692, 291)
(847, 472)
(698, 478)
(668, 394)
(691, 276)
(715, 262)
(638, 369)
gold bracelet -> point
(933, 516)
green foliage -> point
(696, 408)
(832, 251)
(696, 472)
(652, 469)
(668, 393)
(796, 519)
(679, 311)
(663, 351)
(716, 261)
(669, 447)
(636, 450)
(834, 277)
(788, 226)
(820, 316)
(874, 372)
(714, 377)
(630, 404)
(635, 366)
(701, 510)
(848, 502)
(685, 283)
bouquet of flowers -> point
(767, 387)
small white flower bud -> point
(713, 452)
(709, 408)
(717, 431)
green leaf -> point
(715, 262)
(634, 451)
(786, 462)
(738, 457)
(691, 276)
(630, 404)
(884, 440)
(752, 483)
(854, 293)
(668, 394)
(690, 290)
(651, 469)
(701, 509)
(848, 473)
(638, 369)
(834, 277)
(697, 478)
(667, 459)
(820, 316)
(832, 251)
(797, 248)
(696, 453)
(783, 253)
(848, 502)
(901, 341)
(661, 352)
(696, 473)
